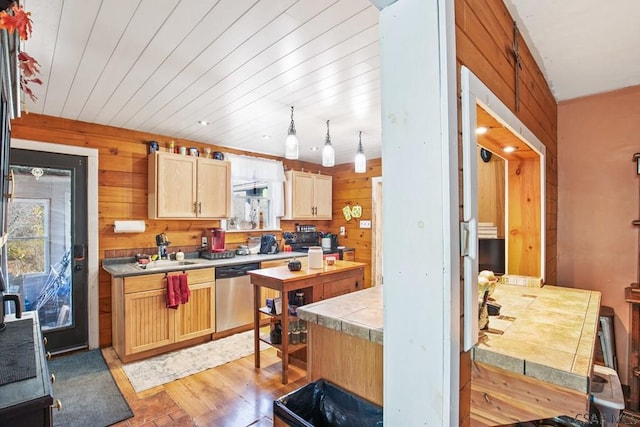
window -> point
(258, 193)
(28, 230)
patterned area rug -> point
(165, 368)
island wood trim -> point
(350, 362)
(502, 397)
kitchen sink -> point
(154, 265)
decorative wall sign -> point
(346, 211)
(352, 212)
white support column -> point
(420, 210)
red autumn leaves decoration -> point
(20, 21)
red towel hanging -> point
(173, 291)
(185, 292)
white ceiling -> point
(584, 47)
(161, 65)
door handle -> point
(78, 252)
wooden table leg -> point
(256, 325)
(285, 337)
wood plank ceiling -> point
(162, 65)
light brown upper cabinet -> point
(307, 195)
(188, 187)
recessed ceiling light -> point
(266, 136)
(203, 122)
(481, 130)
(509, 149)
(314, 148)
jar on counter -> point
(315, 257)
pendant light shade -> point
(328, 154)
(361, 160)
(291, 143)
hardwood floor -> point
(232, 395)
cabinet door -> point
(214, 189)
(172, 188)
(303, 201)
(322, 194)
(148, 322)
(197, 317)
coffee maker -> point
(215, 239)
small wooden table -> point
(317, 284)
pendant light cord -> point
(292, 126)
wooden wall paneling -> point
(489, 59)
(524, 218)
(484, 42)
(491, 192)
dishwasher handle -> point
(232, 271)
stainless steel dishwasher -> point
(234, 296)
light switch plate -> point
(342, 230)
(365, 223)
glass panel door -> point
(44, 227)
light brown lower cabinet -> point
(142, 324)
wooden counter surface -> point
(279, 277)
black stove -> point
(301, 241)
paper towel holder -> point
(129, 226)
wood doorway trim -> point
(376, 241)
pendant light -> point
(328, 154)
(361, 160)
(291, 143)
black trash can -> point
(323, 404)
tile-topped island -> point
(534, 362)
(345, 342)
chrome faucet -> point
(162, 241)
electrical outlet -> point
(204, 241)
(342, 230)
(365, 223)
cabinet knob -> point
(53, 379)
(48, 355)
(57, 405)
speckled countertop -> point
(358, 313)
(123, 267)
(547, 333)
